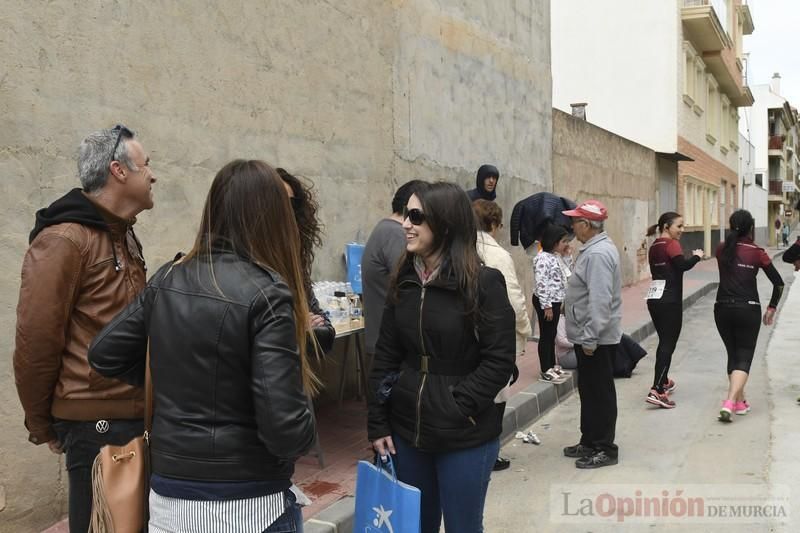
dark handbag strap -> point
(148, 393)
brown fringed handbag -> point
(121, 478)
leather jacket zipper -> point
(423, 370)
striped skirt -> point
(251, 515)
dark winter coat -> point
(531, 216)
(451, 406)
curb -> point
(522, 409)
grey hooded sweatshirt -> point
(594, 295)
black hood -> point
(72, 207)
(484, 172)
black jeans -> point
(598, 398)
(668, 320)
(738, 325)
(547, 334)
(81, 442)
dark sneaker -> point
(596, 460)
(578, 450)
(552, 376)
(501, 464)
(660, 399)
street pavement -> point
(683, 449)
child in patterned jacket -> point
(550, 273)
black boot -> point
(501, 464)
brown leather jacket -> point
(84, 265)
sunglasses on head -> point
(415, 216)
(121, 130)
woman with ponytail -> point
(737, 311)
(665, 299)
(228, 332)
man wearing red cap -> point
(593, 321)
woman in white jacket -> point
(489, 216)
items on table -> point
(340, 303)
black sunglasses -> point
(121, 130)
(415, 216)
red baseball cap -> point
(590, 210)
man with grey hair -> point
(83, 266)
(593, 318)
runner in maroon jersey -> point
(665, 299)
(737, 311)
(792, 255)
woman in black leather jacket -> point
(228, 328)
(447, 347)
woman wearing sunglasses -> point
(446, 348)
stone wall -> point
(590, 162)
(356, 95)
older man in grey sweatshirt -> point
(593, 320)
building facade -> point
(773, 126)
(753, 189)
(668, 75)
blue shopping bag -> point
(383, 504)
(353, 253)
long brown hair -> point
(248, 212)
(449, 214)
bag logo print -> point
(381, 519)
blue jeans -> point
(453, 484)
(291, 521)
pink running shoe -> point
(726, 411)
(741, 408)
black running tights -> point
(738, 325)
(667, 319)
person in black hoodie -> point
(83, 266)
(485, 184)
(446, 348)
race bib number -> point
(656, 290)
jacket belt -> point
(443, 367)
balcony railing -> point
(776, 187)
(775, 142)
(720, 7)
